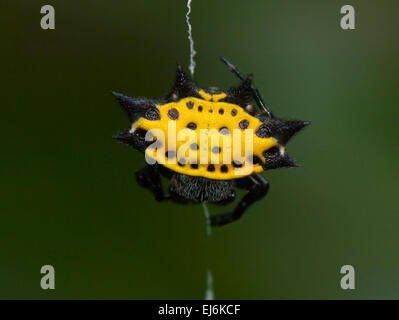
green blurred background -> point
(68, 193)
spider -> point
(191, 108)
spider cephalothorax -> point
(192, 136)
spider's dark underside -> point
(195, 187)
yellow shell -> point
(209, 116)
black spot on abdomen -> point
(224, 131)
(236, 164)
(170, 154)
(243, 124)
(173, 114)
(216, 150)
(194, 146)
(192, 126)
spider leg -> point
(255, 91)
(149, 178)
(257, 187)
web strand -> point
(209, 293)
(190, 39)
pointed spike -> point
(128, 104)
(297, 124)
(286, 161)
(284, 130)
(125, 102)
(135, 139)
(276, 159)
(125, 136)
(247, 83)
(290, 128)
(241, 95)
(184, 86)
(180, 75)
(136, 107)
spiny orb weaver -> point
(194, 108)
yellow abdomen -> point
(211, 139)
